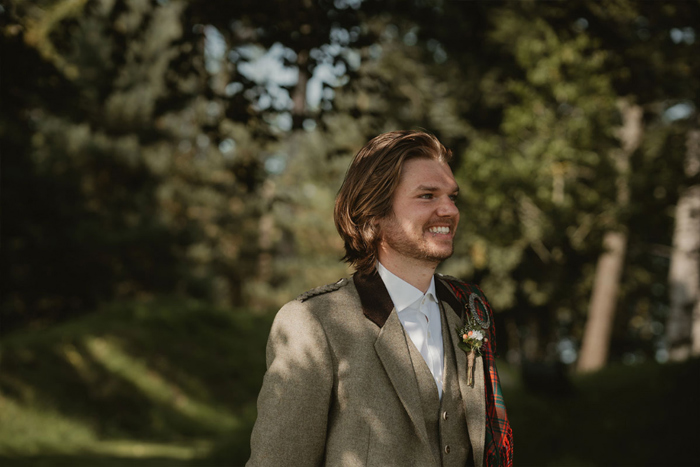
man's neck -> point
(415, 272)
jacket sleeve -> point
(294, 400)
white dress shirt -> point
(419, 314)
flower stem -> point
(471, 356)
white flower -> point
(477, 335)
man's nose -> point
(447, 207)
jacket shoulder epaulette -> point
(324, 289)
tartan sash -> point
(498, 451)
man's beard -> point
(415, 248)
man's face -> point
(424, 217)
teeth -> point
(439, 230)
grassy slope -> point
(174, 383)
(167, 381)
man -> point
(369, 371)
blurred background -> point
(168, 177)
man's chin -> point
(442, 249)
(439, 256)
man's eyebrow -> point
(434, 188)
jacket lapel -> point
(375, 299)
(392, 350)
(391, 346)
(474, 398)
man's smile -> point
(439, 230)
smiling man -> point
(394, 366)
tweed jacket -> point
(340, 389)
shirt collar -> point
(403, 294)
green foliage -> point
(538, 179)
(122, 189)
(308, 247)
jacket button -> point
(444, 415)
(447, 449)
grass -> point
(164, 383)
(174, 383)
(643, 415)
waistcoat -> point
(445, 419)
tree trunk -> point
(299, 93)
(683, 325)
(601, 310)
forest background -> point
(168, 176)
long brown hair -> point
(368, 189)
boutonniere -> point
(473, 334)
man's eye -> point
(454, 198)
(426, 196)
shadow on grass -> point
(166, 372)
(643, 415)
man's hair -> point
(368, 189)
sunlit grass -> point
(29, 431)
(139, 449)
(26, 430)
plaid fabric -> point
(499, 436)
